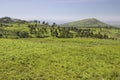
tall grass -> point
(59, 59)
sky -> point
(61, 10)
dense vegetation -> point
(34, 50)
(57, 59)
(15, 28)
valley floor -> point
(59, 59)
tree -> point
(99, 35)
(1, 35)
(1, 25)
(105, 36)
(43, 22)
(22, 34)
(39, 22)
(54, 24)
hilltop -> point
(90, 22)
(10, 20)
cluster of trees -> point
(6, 33)
(44, 30)
(13, 34)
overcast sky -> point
(61, 10)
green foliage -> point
(59, 59)
(40, 31)
(68, 53)
(21, 29)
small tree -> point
(43, 22)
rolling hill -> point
(90, 22)
(5, 20)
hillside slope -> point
(5, 20)
(90, 22)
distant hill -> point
(90, 22)
(114, 23)
(10, 20)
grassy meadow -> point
(59, 59)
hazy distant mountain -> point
(90, 22)
(10, 20)
(114, 23)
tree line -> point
(46, 30)
(43, 30)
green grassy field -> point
(59, 59)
